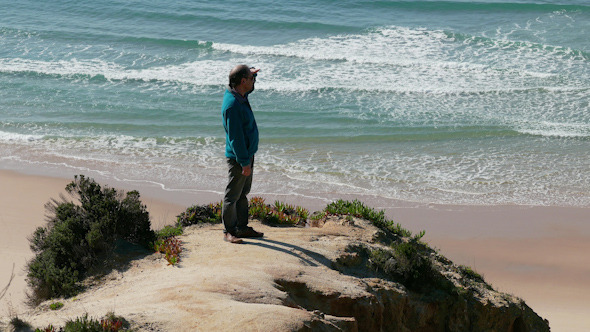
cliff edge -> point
(346, 275)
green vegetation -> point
(318, 216)
(355, 208)
(468, 272)
(278, 214)
(78, 235)
(406, 262)
(360, 210)
(169, 231)
(171, 247)
(200, 214)
(168, 244)
(56, 306)
(49, 328)
(405, 259)
(110, 323)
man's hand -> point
(247, 170)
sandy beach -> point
(22, 210)
(536, 253)
(540, 254)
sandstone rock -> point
(344, 276)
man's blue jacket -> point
(241, 132)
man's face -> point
(250, 82)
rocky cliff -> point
(346, 275)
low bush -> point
(169, 231)
(405, 259)
(168, 244)
(403, 263)
(360, 210)
(355, 208)
(83, 323)
(56, 306)
(198, 214)
(48, 328)
(409, 264)
(279, 213)
(470, 273)
(78, 234)
(171, 247)
(110, 323)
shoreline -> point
(534, 252)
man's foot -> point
(248, 232)
(228, 237)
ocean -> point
(448, 102)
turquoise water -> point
(430, 101)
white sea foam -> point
(199, 73)
(405, 59)
(553, 129)
(7, 137)
(474, 176)
(392, 59)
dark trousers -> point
(235, 203)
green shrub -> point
(48, 328)
(198, 214)
(110, 323)
(83, 324)
(357, 209)
(318, 215)
(409, 263)
(56, 306)
(405, 262)
(412, 264)
(114, 321)
(171, 247)
(77, 235)
(169, 231)
(278, 213)
(360, 210)
(468, 272)
(258, 208)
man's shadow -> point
(312, 259)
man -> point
(241, 143)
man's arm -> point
(236, 137)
